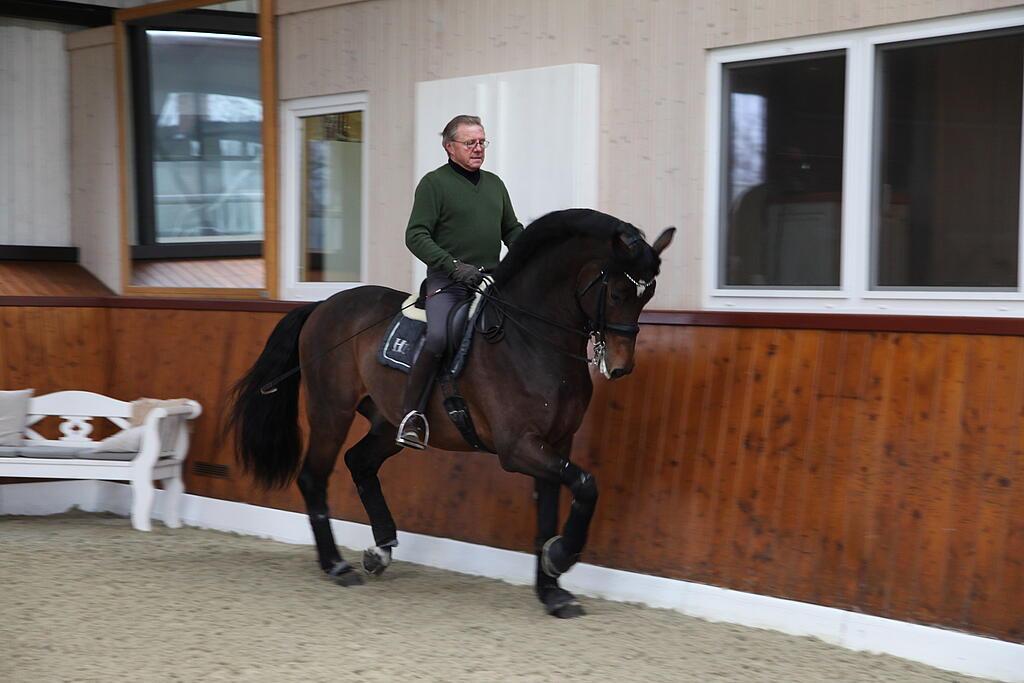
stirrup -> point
(403, 429)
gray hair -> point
(448, 134)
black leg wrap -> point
(584, 491)
(556, 557)
(326, 550)
(383, 524)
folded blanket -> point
(142, 406)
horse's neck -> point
(547, 286)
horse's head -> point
(616, 291)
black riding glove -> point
(467, 274)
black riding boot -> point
(414, 431)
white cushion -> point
(126, 441)
(14, 416)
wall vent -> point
(210, 469)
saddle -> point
(406, 334)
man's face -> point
(471, 158)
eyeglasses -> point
(470, 144)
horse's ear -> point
(663, 240)
(630, 241)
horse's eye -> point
(618, 294)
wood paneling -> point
(41, 278)
(873, 471)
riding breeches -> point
(439, 307)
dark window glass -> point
(783, 172)
(947, 198)
(207, 145)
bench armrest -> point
(165, 432)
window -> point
(198, 126)
(878, 170)
(324, 201)
(784, 174)
(948, 183)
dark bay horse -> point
(572, 276)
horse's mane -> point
(556, 227)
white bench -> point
(75, 455)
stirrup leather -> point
(404, 425)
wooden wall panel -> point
(874, 471)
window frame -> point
(860, 159)
(292, 113)
(145, 245)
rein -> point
(597, 326)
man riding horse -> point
(460, 215)
(574, 283)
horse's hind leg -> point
(364, 461)
(325, 442)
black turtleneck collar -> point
(471, 176)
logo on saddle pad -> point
(402, 343)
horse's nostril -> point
(619, 372)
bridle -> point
(597, 326)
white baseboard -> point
(951, 650)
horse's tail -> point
(268, 443)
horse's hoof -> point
(376, 560)
(560, 603)
(344, 574)
(570, 611)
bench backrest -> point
(76, 408)
(79, 404)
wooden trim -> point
(156, 8)
(188, 292)
(251, 300)
(840, 321)
(150, 302)
(268, 87)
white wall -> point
(545, 164)
(95, 201)
(34, 135)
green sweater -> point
(454, 219)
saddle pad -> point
(402, 343)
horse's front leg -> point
(556, 600)
(552, 469)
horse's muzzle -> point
(620, 372)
